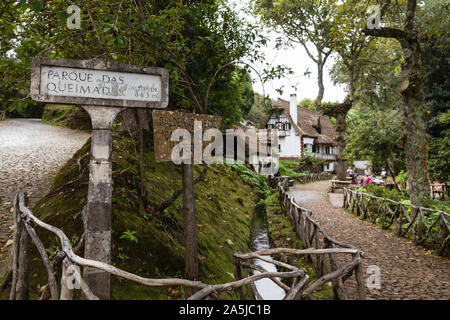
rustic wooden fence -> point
(313, 177)
(327, 265)
(302, 179)
(440, 191)
(2, 115)
(429, 227)
(67, 262)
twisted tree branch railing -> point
(25, 223)
(302, 179)
(313, 177)
(429, 227)
(314, 238)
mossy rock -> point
(224, 205)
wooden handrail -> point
(321, 248)
(24, 216)
(419, 221)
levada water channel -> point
(267, 289)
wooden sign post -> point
(165, 123)
(103, 89)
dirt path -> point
(30, 155)
(407, 271)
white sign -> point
(63, 81)
(98, 82)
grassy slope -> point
(224, 206)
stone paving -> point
(407, 271)
(31, 153)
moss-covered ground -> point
(144, 241)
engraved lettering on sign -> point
(64, 81)
(165, 125)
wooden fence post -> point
(23, 280)
(238, 276)
(16, 247)
(190, 226)
(360, 281)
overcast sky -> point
(295, 58)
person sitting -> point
(384, 174)
(348, 172)
(367, 180)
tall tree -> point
(416, 145)
(348, 40)
(306, 22)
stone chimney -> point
(293, 107)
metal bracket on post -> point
(98, 217)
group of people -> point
(372, 179)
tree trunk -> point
(141, 163)
(416, 144)
(341, 126)
(190, 227)
(320, 93)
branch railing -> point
(324, 259)
(67, 264)
(313, 177)
(426, 226)
(302, 179)
(440, 191)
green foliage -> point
(285, 170)
(308, 104)
(439, 158)
(130, 235)
(375, 135)
(194, 40)
(384, 192)
(401, 178)
(309, 159)
(251, 177)
(260, 109)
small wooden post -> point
(238, 276)
(16, 247)
(190, 226)
(23, 279)
(360, 281)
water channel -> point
(268, 289)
